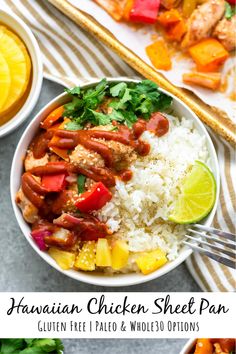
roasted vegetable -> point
(63, 153)
(93, 199)
(144, 11)
(53, 117)
(188, 7)
(159, 56)
(204, 346)
(168, 18)
(209, 54)
(115, 8)
(209, 80)
(177, 31)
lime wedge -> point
(197, 196)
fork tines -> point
(198, 241)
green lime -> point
(197, 196)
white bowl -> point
(97, 278)
(188, 346)
(20, 28)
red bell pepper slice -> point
(54, 183)
(145, 11)
(94, 199)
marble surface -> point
(23, 270)
(123, 346)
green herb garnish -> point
(81, 183)
(127, 102)
(230, 11)
(30, 346)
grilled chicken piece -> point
(123, 155)
(169, 4)
(202, 21)
(31, 162)
(29, 211)
(115, 8)
(225, 32)
(85, 158)
(65, 202)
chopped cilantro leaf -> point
(129, 101)
(81, 183)
(73, 125)
(30, 346)
(118, 89)
(100, 118)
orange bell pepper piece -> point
(128, 7)
(204, 346)
(52, 118)
(208, 80)
(168, 18)
(63, 153)
(209, 55)
(159, 56)
(176, 32)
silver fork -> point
(198, 238)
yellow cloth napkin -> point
(71, 56)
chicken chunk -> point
(123, 155)
(225, 32)
(31, 161)
(85, 158)
(115, 8)
(29, 211)
(202, 21)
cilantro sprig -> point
(31, 346)
(126, 101)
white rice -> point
(138, 211)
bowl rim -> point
(103, 280)
(188, 345)
(37, 72)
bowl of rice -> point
(136, 214)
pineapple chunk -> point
(119, 254)
(64, 259)
(86, 258)
(151, 261)
(103, 253)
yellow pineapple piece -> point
(86, 257)
(64, 259)
(119, 254)
(17, 57)
(103, 253)
(5, 80)
(151, 261)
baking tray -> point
(217, 120)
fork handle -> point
(218, 232)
